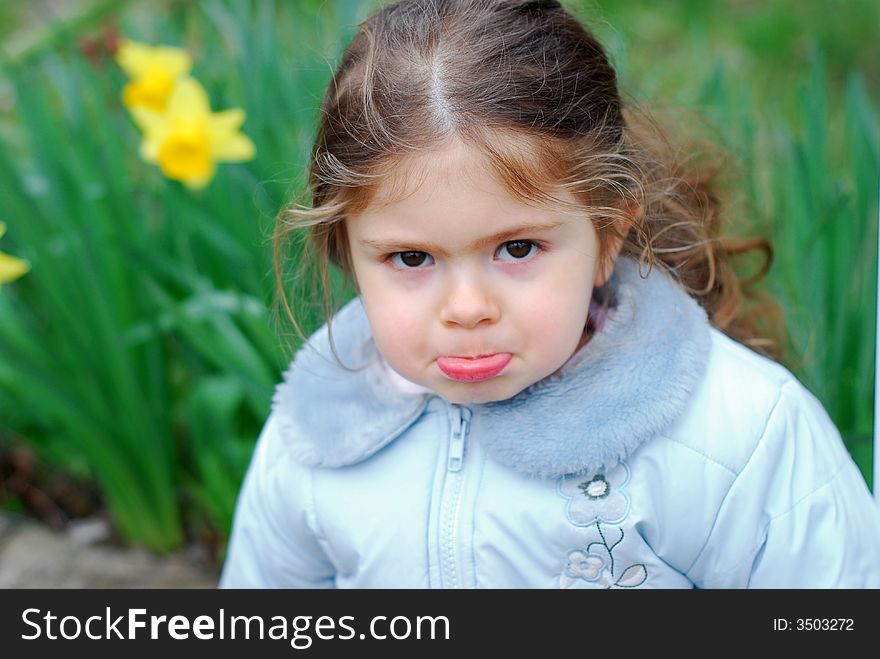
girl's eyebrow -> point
(432, 248)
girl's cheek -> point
(552, 302)
(526, 270)
(401, 341)
(399, 335)
(400, 307)
(407, 280)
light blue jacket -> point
(663, 454)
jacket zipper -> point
(459, 418)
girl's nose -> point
(469, 303)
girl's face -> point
(469, 291)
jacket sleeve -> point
(799, 514)
(273, 544)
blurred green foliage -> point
(143, 346)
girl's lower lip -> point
(474, 369)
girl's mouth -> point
(474, 369)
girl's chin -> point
(477, 393)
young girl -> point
(538, 383)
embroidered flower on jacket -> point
(582, 565)
(598, 498)
(597, 488)
(586, 565)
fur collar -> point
(629, 382)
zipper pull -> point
(460, 418)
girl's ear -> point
(615, 237)
(603, 274)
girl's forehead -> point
(456, 162)
(454, 190)
(450, 162)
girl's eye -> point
(516, 249)
(410, 260)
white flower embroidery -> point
(597, 498)
(633, 577)
(584, 566)
(596, 488)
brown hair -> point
(532, 89)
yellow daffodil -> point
(187, 140)
(153, 70)
(11, 267)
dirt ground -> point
(32, 556)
